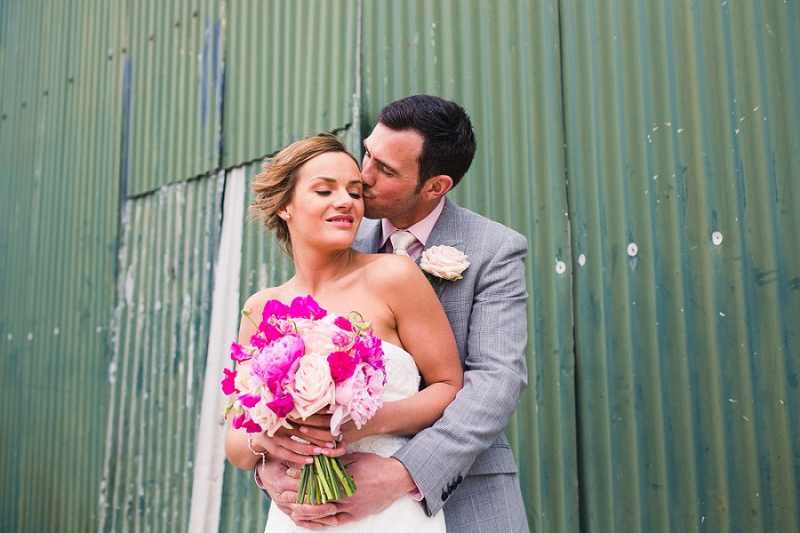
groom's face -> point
(390, 174)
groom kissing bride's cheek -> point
(437, 459)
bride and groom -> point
(442, 448)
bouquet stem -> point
(324, 480)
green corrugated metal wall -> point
(682, 121)
(60, 99)
(648, 149)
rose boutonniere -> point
(444, 262)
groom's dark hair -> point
(449, 144)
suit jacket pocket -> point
(498, 459)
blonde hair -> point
(274, 187)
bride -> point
(310, 195)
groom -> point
(418, 151)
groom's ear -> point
(437, 186)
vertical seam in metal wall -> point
(575, 375)
(220, 88)
(355, 144)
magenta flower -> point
(238, 419)
(238, 353)
(229, 382)
(342, 366)
(250, 399)
(368, 349)
(282, 406)
(258, 341)
(251, 426)
(306, 307)
(275, 308)
(343, 323)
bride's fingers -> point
(286, 448)
(321, 421)
(317, 436)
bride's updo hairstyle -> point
(274, 187)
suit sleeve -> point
(495, 375)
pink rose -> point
(319, 337)
(313, 386)
(444, 262)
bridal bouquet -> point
(302, 360)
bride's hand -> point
(305, 438)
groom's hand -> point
(379, 482)
(281, 481)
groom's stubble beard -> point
(375, 208)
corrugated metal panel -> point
(500, 60)
(173, 54)
(682, 122)
(59, 161)
(160, 340)
(291, 70)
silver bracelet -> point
(262, 454)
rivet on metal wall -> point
(633, 249)
(716, 238)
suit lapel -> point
(369, 236)
(446, 232)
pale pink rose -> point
(313, 386)
(444, 262)
(243, 377)
(319, 337)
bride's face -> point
(326, 207)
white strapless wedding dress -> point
(405, 514)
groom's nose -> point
(367, 174)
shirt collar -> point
(421, 230)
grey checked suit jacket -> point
(465, 459)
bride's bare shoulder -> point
(255, 303)
(390, 269)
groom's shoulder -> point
(474, 222)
